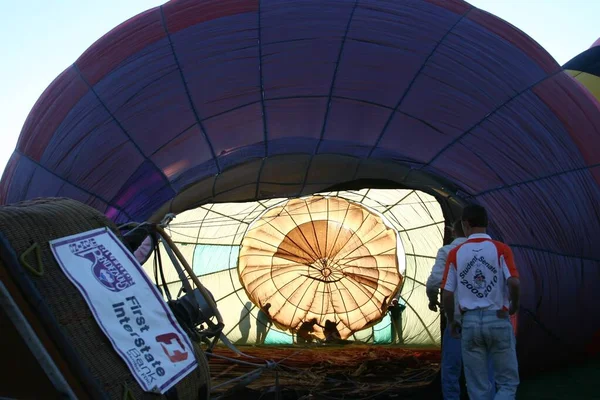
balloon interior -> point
(338, 256)
(315, 273)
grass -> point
(571, 383)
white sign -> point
(128, 308)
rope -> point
(239, 361)
(158, 259)
(254, 374)
(250, 376)
(38, 257)
(127, 393)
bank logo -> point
(167, 342)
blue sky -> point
(40, 38)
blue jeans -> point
(452, 366)
(486, 337)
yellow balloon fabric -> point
(321, 257)
(591, 82)
(585, 68)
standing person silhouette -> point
(263, 322)
(395, 309)
(245, 325)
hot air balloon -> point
(196, 104)
(586, 69)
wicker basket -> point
(59, 305)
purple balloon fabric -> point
(298, 96)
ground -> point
(361, 371)
(576, 382)
(331, 372)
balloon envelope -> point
(200, 102)
(321, 257)
(585, 68)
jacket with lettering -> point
(477, 272)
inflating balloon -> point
(200, 102)
(586, 69)
(323, 258)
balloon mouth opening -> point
(317, 263)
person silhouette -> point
(395, 309)
(244, 325)
(331, 331)
(263, 323)
(304, 334)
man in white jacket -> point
(451, 347)
(451, 350)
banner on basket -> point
(127, 307)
